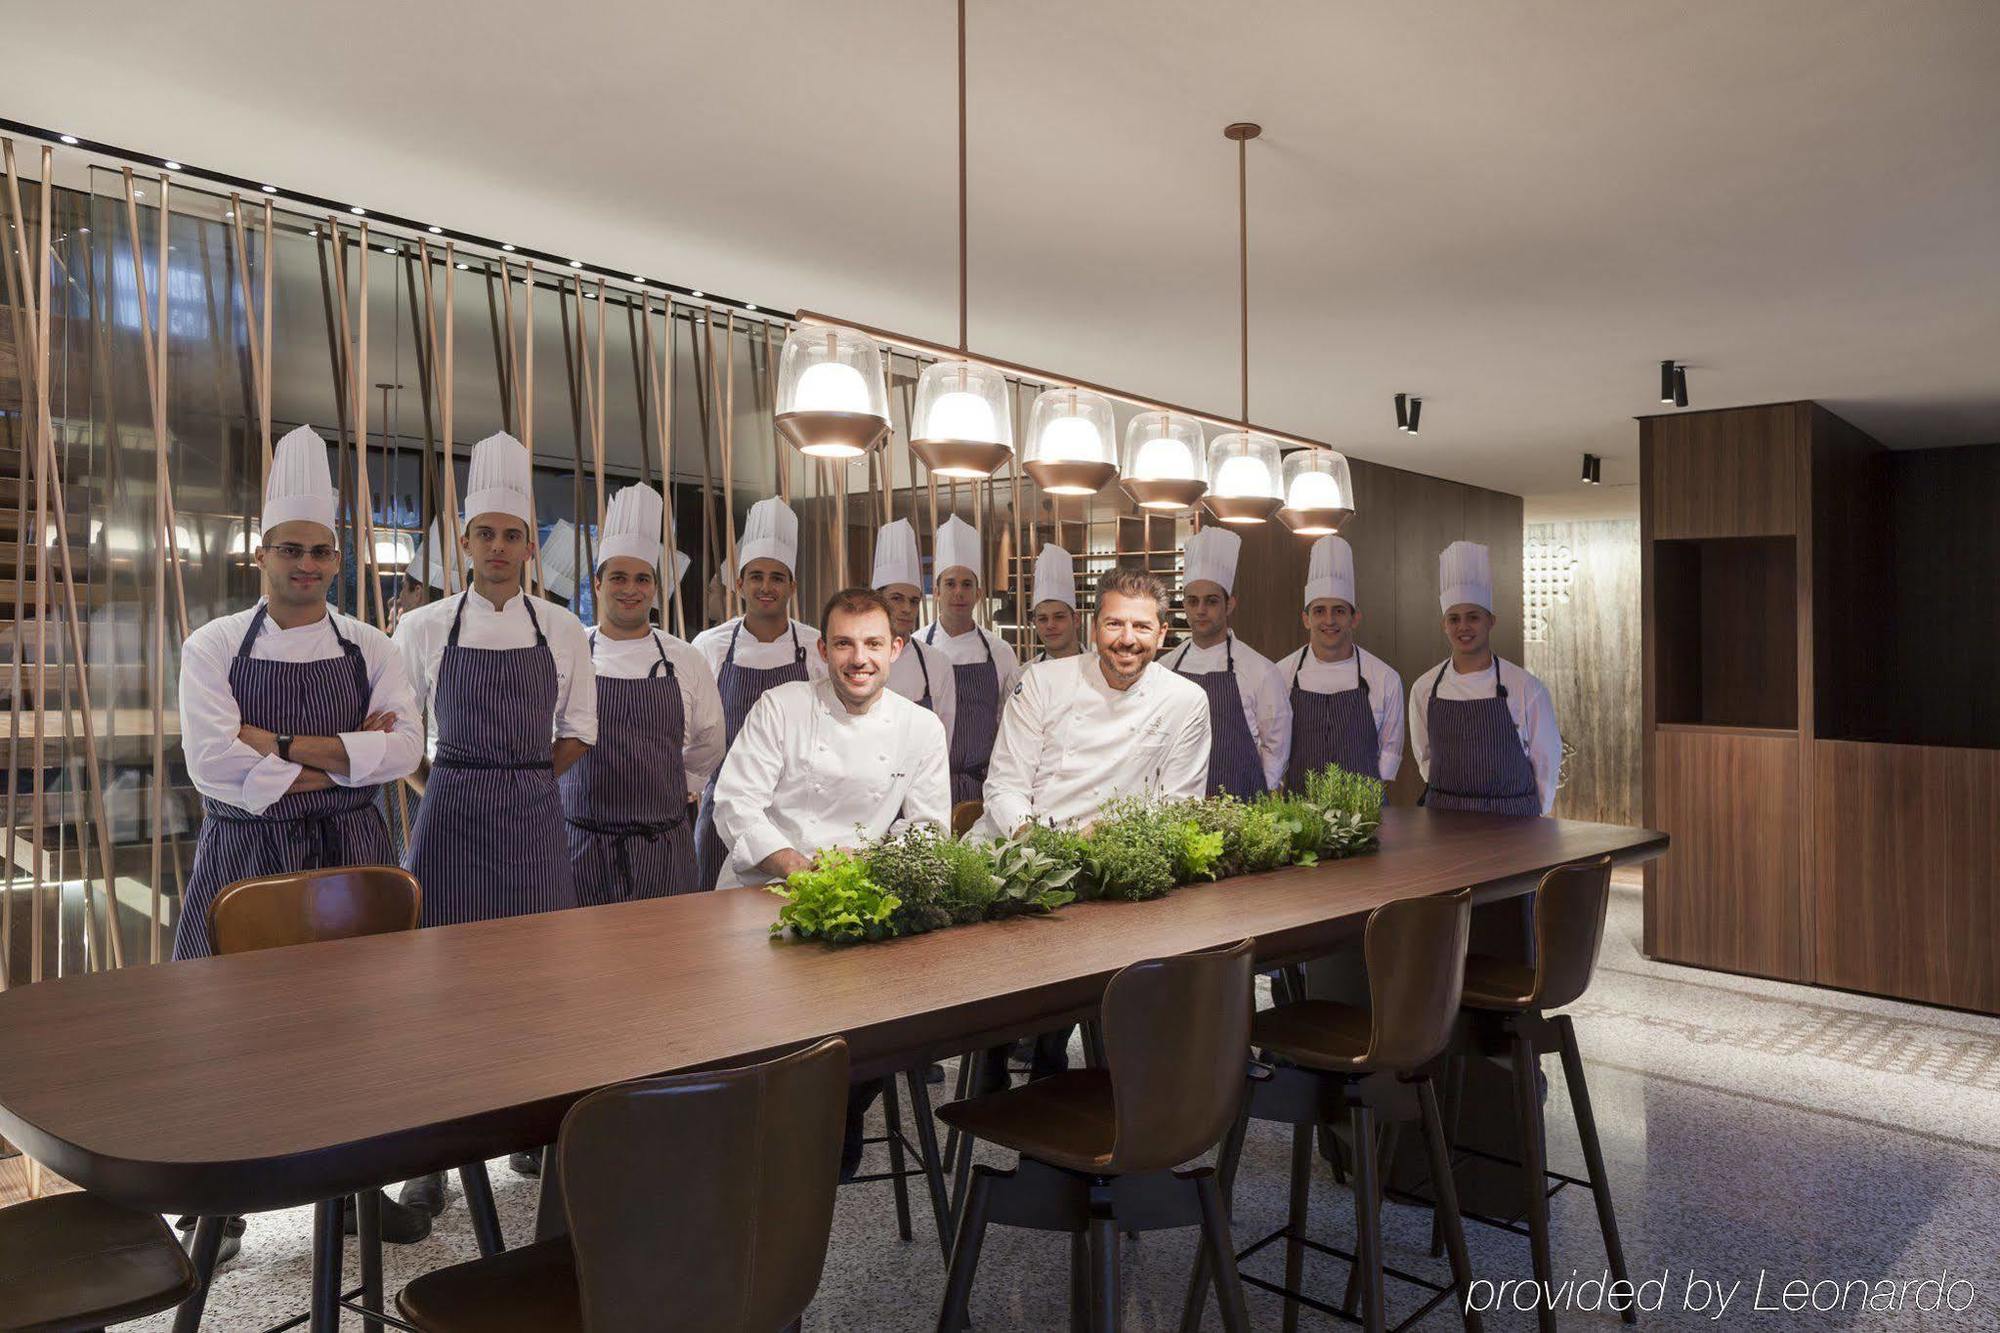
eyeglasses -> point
(294, 551)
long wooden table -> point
(267, 1080)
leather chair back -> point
(309, 906)
(704, 1201)
(1176, 1038)
(1415, 949)
(964, 815)
(1569, 926)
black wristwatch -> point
(285, 748)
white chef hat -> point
(1331, 573)
(770, 532)
(1055, 576)
(957, 547)
(632, 526)
(500, 480)
(1465, 575)
(1211, 557)
(559, 559)
(427, 559)
(681, 564)
(896, 558)
(300, 487)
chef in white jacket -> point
(830, 762)
(981, 660)
(1086, 730)
(919, 672)
(1345, 705)
(1247, 718)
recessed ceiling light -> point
(749, 305)
(171, 166)
(508, 248)
(388, 249)
(576, 263)
(138, 194)
(69, 138)
(463, 267)
(229, 216)
(270, 189)
(697, 295)
(358, 211)
(437, 231)
(637, 278)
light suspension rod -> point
(962, 335)
(1243, 132)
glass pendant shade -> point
(1319, 492)
(1243, 478)
(832, 401)
(1072, 442)
(1165, 462)
(960, 426)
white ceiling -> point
(1513, 209)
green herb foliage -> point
(1030, 879)
(835, 900)
(917, 868)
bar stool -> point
(312, 907)
(1372, 1064)
(1099, 1146)
(1506, 1006)
(696, 1201)
(70, 1263)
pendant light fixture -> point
(832, 399)
(960, 425)
(1165, 462)
(1072, 442)
(1319, 492)
(1243, 466)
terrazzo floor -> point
(1751, 1128)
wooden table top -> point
(271, 1079)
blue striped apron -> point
(1479, 762)
(977, 721)
(740, 687)
(626, 799)
(340, 826)
(489, 839)
(1234, 766)
(1332, 729)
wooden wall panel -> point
(1852, 584)
(1727, 473)
(1946, 575)
(1904, 871)
(1590, 662)
(1727, 893)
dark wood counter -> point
(265, 1080)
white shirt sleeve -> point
(375, 757)
(706, 734)
(222, 767)
(944, 694)
(929, 797)
(1273, 721)
(1538, 724)
(1005, 660)
(1389, 727)
(749, 783)
(576, 699)
(1017, 755)
(412, 643)
(1420, 731)
(1184, 772)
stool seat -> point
(532, 1289)
(1067, 1120)
(1498, 983)
(75, 1261)
(1316, 1034)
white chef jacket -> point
(807, 774)
(702, 731)
(1266, 703)
(1527, 700)
(1385, 697)
(1069, 743)
(713, 644)
(422, 634)
(225, 769)
(906, 677)
(969, 648)
(1039, 657)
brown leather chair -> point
(1507, 1003)
(1099, 1146)
(312, 906)
(964, 815)
(1373, 1062)
(75, 1262)
(696, 1201)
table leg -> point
(207, 1245)
(479, 1202)
(368, 1231)
(328, 1246)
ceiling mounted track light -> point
(1416, 413)
(1402, 411)
(1674, 383)
(1593, 470)
(1680, 386)
(1666, 381)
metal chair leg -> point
(478, 1189)
(207, 1246)
(892, 1122)
(1295, 1221)
(368, 1236)
(1593, 1153)
(1079, 1280)
(1104, 1284)
(1227, 1163)
(1222, 1254)
(1368, 1219)
(927, 1149)
(1534, 1178)
(1444, 1207)
(965, 1256)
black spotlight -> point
(1666, 381)
(1402, 411)
(1592, 470)
(1680, 386)
(1416, 411)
